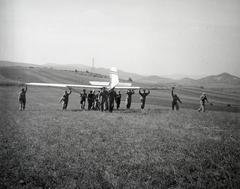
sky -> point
(160, 37)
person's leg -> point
(199, 109)
(98, 105)
(107, 104)
(203, 107)
(103, 105)
(21, 105)
(177, 106)
(88, 105)
(91, 105)
(95, 105)
(143, 105)
(110, 106)
(173, 105)
(130, 102)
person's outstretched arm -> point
(206, 99)
(172, 91)
(179, 100)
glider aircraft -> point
(113, 83)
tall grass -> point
(44, 147)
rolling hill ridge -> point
(221, 80)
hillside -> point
(154, 79)
(18, 64)
(104, 71)
(223, 80)
(46, 75)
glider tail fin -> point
(114, 80)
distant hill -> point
(71, 67)
(15, 73)
(4, 63)
(104, 71)
(154, 79)
(188, 81)
(221, 80)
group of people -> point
(104, 99)
(176, 99)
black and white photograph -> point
(119, 94)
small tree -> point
(130, 79)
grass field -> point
(44, 147)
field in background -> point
(44, 147)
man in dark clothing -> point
(103, 99)
(175, 100)
(143, 97)
(83, 99)
(203, 100)
(129, 98)
(118, 99)
(111, 98)
(22, 98)
(64, 99)
(90, 100)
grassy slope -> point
(36, 74)
(44, 147)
